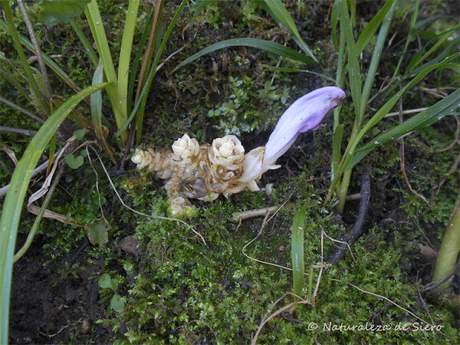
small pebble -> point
(85, 326)
(100, 332)
(129, 244)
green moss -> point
(185, 291)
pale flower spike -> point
(204, 172)
(304, 114)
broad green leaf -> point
(269, 46)
(436, 112)
(297, 244)
(106, 282)
(74, 162)
(60, 11)
(98, 231)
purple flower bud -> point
(304, 114)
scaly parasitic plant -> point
(204, 172)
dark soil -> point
(50, 307)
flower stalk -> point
(205, 172)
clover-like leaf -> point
(74, 162)
(105, 282)
(117, 302)
(98, 231)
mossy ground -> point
(177, 289)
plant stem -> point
(450, 248)
(343, 190)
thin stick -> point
(22, 110)
(388, 300)
(411, 111)
(358, 226)
(255, 238)
(38, 53)
(403, 159)
(17, 130)
(38, 170)
(239, 216)
(435, 284)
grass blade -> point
(143, 99)
(436, 112)
(298, 70)
(11, 29)
(353, 55)
(96, 112)
(369, 31)
(269, 46)
(98, 32)
(336, 148)
(279, 12)
(152, 45)
(375, 58)
(378, 116)
(125, 52)
(48, 61)
(89, 49)
(14, 200)
(297, 243)
(134, 69)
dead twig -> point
(403, 161)
(435, 284)
(358, 227)
(18, 130)
(240, 216)
(457, 160)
